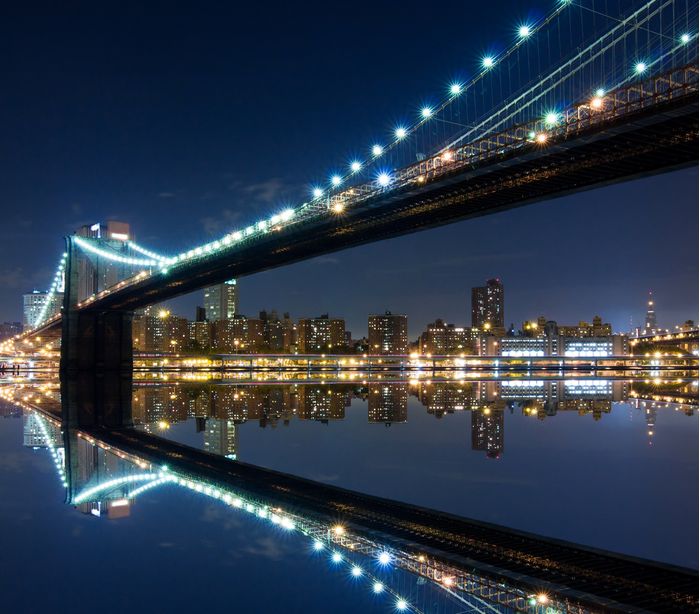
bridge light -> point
(597, 102)
(287, 214)
(317, 192)
(455, 88)
(356, 571)
(318, 545)
(384, 558)
(338, 207)
(541, 138)
(488, 62)
(336, 180)
(551, 119)
(355, 166)
(336, 558)
(384, 179)
(600, 92)
(426, 112)
(401, 605)
(447, 156)
(377, 587)
(542, 598)
(400, 132)
(685, 38)
(524, 31)
(640, 67)
(377, 150)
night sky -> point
(187, 120)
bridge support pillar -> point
(92, 340)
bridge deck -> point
(594, 579)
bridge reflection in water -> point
(105, 465)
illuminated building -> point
(94, 273)
(321, 334)
(387, 403)
(221, 437)
(238, 334)
(33, 305)
(440, 338)
(278, 335)
(487, 431)
(650, 325)
(488, 306)
(200, 335)
(221, 301)
(322, 404)
(160, 332)
(388, 334)
(584, 329)
(10, 329)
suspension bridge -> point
(588, 95)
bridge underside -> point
(654, 140)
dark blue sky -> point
(187, 119)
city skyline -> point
(184, 195)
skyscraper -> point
(488, 306)
(221, 301)
(650, 320)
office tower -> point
(221, 301)
(33, 306)
(488, 306)
(95, 273)
(388, 333)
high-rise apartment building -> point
(221, 301)
(488, 306)
(33, 307)
(440, 338)
(487, 431)
(322, 334)
(388, 333)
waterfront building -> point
(160, 332)
(487, 431)
(387, 403)
(200, 335)
(33, 305)
(440, 338)
(321, 334)
(221, 437)
(322, 404)
(238, 334)
(488, 306)
(279, 335)
(221, 301)
(388, 333)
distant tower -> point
(650, 321)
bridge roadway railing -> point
(536, 134)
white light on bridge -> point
(685, 38)
(377, 150)
(455, 88)
(426, 112)
(318, 545)
(524, 31)
(600, 92)
(378, 587)
(336, 558)
(640, 67)
(488, 62)
(356, 571)
(400, 132)
(384, 179)
(401, 605)
(336, 180)
(355, 166)
(384, 558)
(317, 192)
(551, 118)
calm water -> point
(583, 462)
